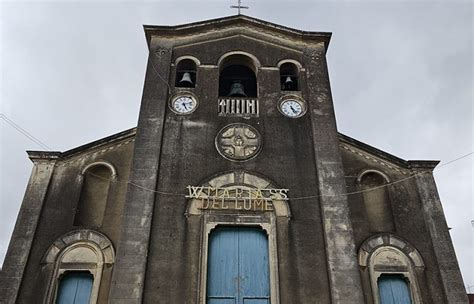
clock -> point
(183, 104)
(292, 107)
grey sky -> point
(401, 75)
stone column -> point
(341, 253)
(435, 220)
(25, 227)
(129, 270)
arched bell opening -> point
(186, 74)
(237, 77)
(289, 77)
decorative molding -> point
(385, 177)
(79, 250)
(238, 142)
(161, 51)
(196, 61)
(373, 159)
(81, 235)
(253, 58)
(390, 254)
(88, 155)
(242, 178)
(374, 242)
(112, 169)
(295, 62)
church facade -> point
(234, 188)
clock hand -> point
(184, 104)
(294, 111)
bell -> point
(237, 90)
(186, 79)
(288, 84)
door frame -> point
(266, 222)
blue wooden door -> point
(75, 288)
(238, 268)
(394, 289)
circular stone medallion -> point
(238, 142)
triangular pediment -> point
(232, 24)
(383, 158)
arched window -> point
(393, 289)
(237, 77)
(186, 74)
(93, 198)
(78, 259)
(75, 287)
(289, 77)
(376, 201)
(389, 263)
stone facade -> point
(344, 224)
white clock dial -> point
(184, 104)
(292, 108)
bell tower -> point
(236, 97)
(235, 187)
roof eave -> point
(212, 24)
(55, 155)
(408, 164)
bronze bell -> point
(289, 84)
(186, 79)
(237, 90)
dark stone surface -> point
(159, 248)
(408, 216)
(57, 215)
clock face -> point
(292, 108)
(183, 104)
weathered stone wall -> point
(57, 215)
(160, 247)
(287, 157)
(408, 218)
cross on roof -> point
(239, 6)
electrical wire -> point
(37, 141)
(303, 197)
(44, 146)
(24, 132)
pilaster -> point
(341, 254)
(435, 220)
(24, 231)
(129, 270)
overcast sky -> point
(401, 75)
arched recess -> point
(79, 251)
(238, 75)
(242, 179)
(96, 181)
(387, 255)
(377, 204)
(186, 72)
(289, 75)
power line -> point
(44, 146)
(24, 132)
(303, 197)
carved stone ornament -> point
(238, 142)
(160, 52)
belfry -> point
(234, 188)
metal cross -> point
(239, 6)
